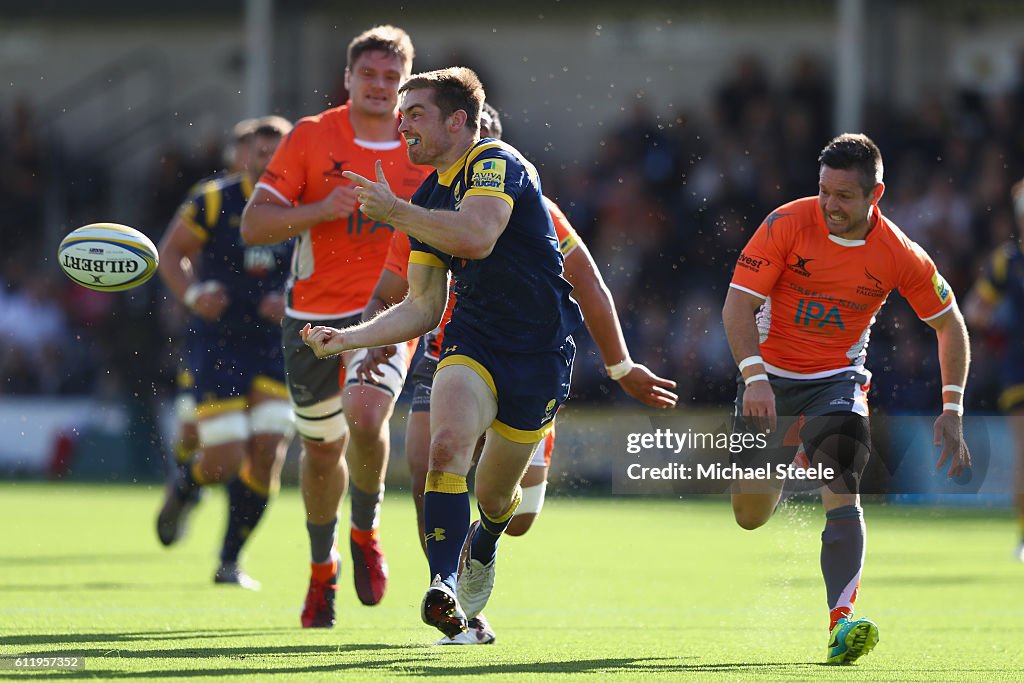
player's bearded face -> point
(372, 82)
(846, 208)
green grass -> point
(621, 589)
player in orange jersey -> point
(338, 255)
(599, 313)
(799, 310)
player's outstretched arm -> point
(469, 233)
(417, 314)
(590, 290)
(741, 331)
(391, 288)
(954, 360)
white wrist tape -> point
(759, 377)
(192, 294)
(750, 360)
(952, 387)
(953, 407)
(620, 369)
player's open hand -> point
(759, 406)
(949, 433)
(338, 204)
(377, 199)
(370, 367)
(648, 388)
(324, 341)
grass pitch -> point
(621, 589)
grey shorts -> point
(827, 416)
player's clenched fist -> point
(324, 341)
(341, 202)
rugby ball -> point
(107, 257)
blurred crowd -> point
(665, 202)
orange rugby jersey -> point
(822, 292)
(397, 262)
(335, 265)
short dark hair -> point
(854, 151)
(261, 125)
(454, 88)
(384, 38)
(491, 120)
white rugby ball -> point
(107, 257)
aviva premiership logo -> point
(490, 174)
(941, 287)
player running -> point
(1002, 283)
(798, 313)
(338, 255)
(599, 313)
(233, 355)
(508, 349)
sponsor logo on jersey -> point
(799, 266)
(489, 174)
(873, 289)
(815, 313)
(751, 262)
(336, 169)
(942, 289)
(770, 221)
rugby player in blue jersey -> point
(234, 294)
(507, 358)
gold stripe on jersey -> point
(425, 258)
(497, 144)
(212, 197)
(193, 227)
(522, 435)
(1000, 263)
(474, 365)
(480, 192)
(987, 291)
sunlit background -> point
(665, 132)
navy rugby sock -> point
(246, 506)
(485, 543)
(446, 521)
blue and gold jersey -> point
(515, 299)
(213, 212)
(1002, 284)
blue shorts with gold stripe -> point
(227, 371)
(529, 387)
(1011, 399)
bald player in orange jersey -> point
(798, 315)
(338, 255)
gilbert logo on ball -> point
(107, 257)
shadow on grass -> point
(418, 661)
(64, 639)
